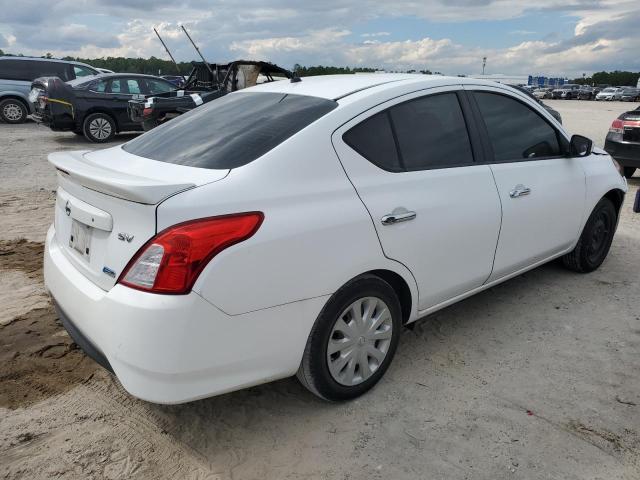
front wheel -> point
(98, 127)
(594, 243)
(628, 171)
(353, 340)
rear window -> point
(231, 131)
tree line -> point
(158, 66)
(616, 77)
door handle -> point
(394, 218)
(519, 191)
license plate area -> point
(80, 239)
(631, 134)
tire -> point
(595, 241)
(628, 171)
(13, 111)
(98, 127)
(340, 375)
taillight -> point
(147, 111)
(172, 260)
(616, 126)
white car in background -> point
(608, 93)
(296, 227)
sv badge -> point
(125, 237)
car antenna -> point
(199, 53)
(171, 56)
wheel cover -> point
(12, 111)
(359, 341)
(600, 233)
(100, 128)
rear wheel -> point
(594, 243)
(629, 171)
(13, 111)
(353, 340)
(99, 127)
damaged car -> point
(95, 107)
(205, 83)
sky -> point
(541, 37)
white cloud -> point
(311, 33)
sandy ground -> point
(538, 378)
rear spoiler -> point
(94, 176)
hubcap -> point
(100, 128)
(359, 341)
(12, 111)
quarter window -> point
(373, 139)
(155, 86)
(515, 130)
(81, 71)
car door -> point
(121, 91)
(434, 208)
(541, 189)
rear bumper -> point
(626, 154)
(176, 348)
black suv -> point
(95, 107)
(16, 75)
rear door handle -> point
(394, 218)
(519, 191)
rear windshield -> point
(231, 131)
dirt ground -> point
(538, 378)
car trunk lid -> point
(106, 203)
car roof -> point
(336, 87)
(39, 59)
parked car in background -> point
(176, 259)
(549, 109)
(95, 107)
(623, 141)
(16, 75)
(607, 94)
(630, 94)
(541, 93)
(618, 93)
(585, 92)
(568, 91)
(206, 82)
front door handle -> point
(519, 191)
(394, 218)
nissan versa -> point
(295, 227)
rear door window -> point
(230, 131)
(516, 131)
(133, 86)
(432, 133)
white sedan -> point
(296, 227)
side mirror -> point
(580, 146)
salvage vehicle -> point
(294, 228)
(568, 91)
(16, 75)
(549, 109)
(541, 93)
(585, 92)
(205, 83)
(95, 107)
(623, 141)
(630, 94)
(608, 94)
